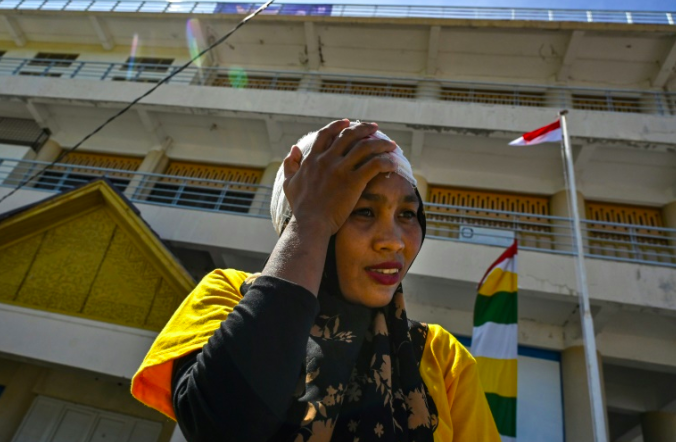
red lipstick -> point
(385, 273)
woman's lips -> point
(385, 273)
(383, 278)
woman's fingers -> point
(363, 150)
(349, 136)
(378, 164)
(328, 134)
(292, 162)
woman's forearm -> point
(300, 254)
(240, 386)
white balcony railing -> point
(551, 234)
(342, 10)
(407, 88)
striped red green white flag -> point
(495, 340)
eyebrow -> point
(378, 198)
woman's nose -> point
(388, 237)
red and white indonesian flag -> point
(548, 134)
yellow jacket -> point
(447, 368)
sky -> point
(611, 5)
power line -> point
(135, 101)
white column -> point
(429, 90)
(310, 82)
(576, 404)
(422, 186)
(261, 202)
(155, 161)
(49, 151)
(558, 206)
(559, 98)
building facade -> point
(197, 158)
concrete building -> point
(452, 86)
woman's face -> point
(378, 242)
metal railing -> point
(142, 187)
(412, 88)
(342, 10)
(551, 234)
(635, 243)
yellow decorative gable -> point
(87, 253)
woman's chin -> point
(372, 299)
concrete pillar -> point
(562, 237)
(49, 151)
(576, 403)
(261, 202)
(559, 98)
(155, 161)
(428, 90)
(310, 82)
(658, 426)
(17, 398)
(422, 186)
(669, 218)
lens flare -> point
(194, 37)
(237, 77)
(132, 57)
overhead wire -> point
(164, 80)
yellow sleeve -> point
(189, 329)
(450, 374)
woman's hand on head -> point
(324, 188)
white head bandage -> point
(280, 210)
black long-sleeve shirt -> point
(240, 386)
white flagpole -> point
(588, 335)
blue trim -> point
(549, 355)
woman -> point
(318, 346)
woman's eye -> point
(363, 212)
(409, 214)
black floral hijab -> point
(361, 380)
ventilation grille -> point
(223, 174)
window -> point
(221, 188)
(53, 60)
(147, 64)
(368, 88)
(78, 168)
(511, 98)
(257, 82)
(606, 103)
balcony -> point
(350, 10)
(402, 88)
(608, 241)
